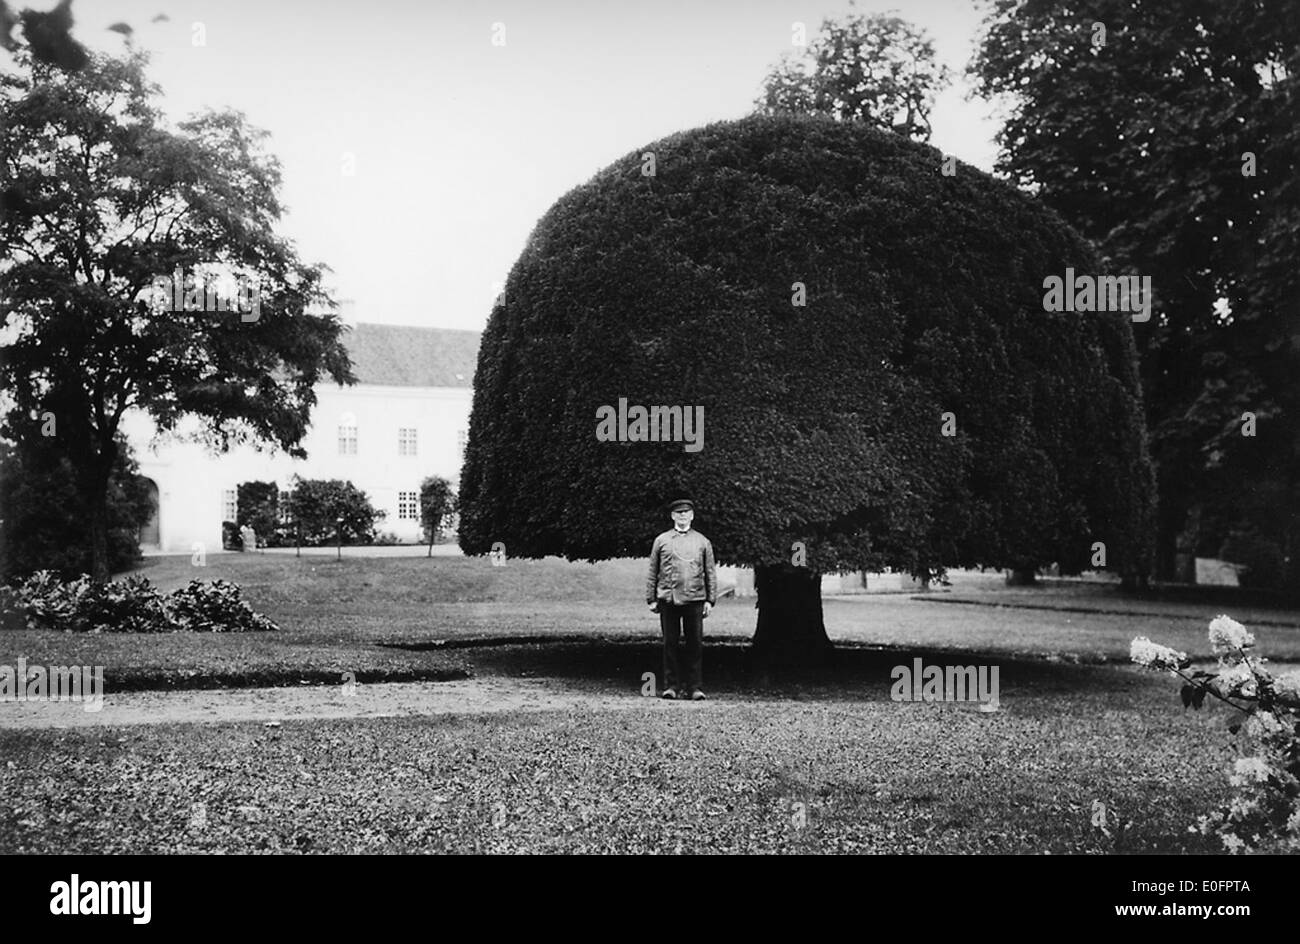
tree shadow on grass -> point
(854, 673)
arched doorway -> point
(150, 534)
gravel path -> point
(272, 705)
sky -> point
(418, 154)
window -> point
(229, 505)
(406, 442)
(347, 440)
(408, 506)
(286, 507)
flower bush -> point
(129, 606)
(45, 601)
(1263, 811)
(215, 606)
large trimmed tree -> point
(920, 410)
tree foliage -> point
(326, 509)
(257, 506)
(1168, 135)
(437, 503)
(878, 69)
(824, 423)
(44, 521)
(48, 35)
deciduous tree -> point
(879, 69)
(103, 204)
(1168, 135)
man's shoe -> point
(668, 693)
(697, 695)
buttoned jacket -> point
(682, 569)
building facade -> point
(405, 419)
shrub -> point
(231, 540)
(317, 504)
(258, 507)
(127, 606)
(44, 601)
(44, 524)
(9, 614)
(437, 505)
(216, 606)
(1263, 813)
(1262, 560)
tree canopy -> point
(921, 409)
(103, 206)
(879, 69)
(1169, 136)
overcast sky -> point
(459, 145)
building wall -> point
(193, 482)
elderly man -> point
(682, 587)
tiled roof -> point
(401, 356)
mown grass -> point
(760, 774)
(347, 616)
(814, 763)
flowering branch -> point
(1263, 813)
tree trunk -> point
(1291, 535)
(99, 539)
(97, 499)
(1185, 554)
(1022, 577)
(98, 470)
(1172, 508)
(1133, 582)
(791, 630)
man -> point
(682, 588)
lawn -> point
(823, 763)
(388, 618)
(845, 771)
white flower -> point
(1152, 655)
(1252, 768)
(1237, 680)
(1233, 843)
(1227, 635)
(1239, 808)
(1293, 823)
(1287, 688)
(1263, 722)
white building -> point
(406, 418)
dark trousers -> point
(677, 621)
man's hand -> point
(654, 607)
(707, 606)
